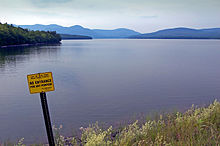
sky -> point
(140, 15)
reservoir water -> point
(105, 81)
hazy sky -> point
(140, 15)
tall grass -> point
(196, 127)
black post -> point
(47, 118)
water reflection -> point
(10, 57)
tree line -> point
(11, 35)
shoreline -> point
(195, 126)
(27, 45)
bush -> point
(197, 126)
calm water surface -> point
(106, 81)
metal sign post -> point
(47, 118)
(41, 83)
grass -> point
(197, 126)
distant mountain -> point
(73, 37)
(116, 33)
(79, 30)
(181, 33)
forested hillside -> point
(10, 35)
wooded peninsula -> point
(11, 35)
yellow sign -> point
(40, 82)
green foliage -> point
(10, 35)
(197, 126)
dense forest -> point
(10, 35)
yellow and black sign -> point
(40, 82)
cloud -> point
(149, 17)
(46, 3)
(142, 15)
